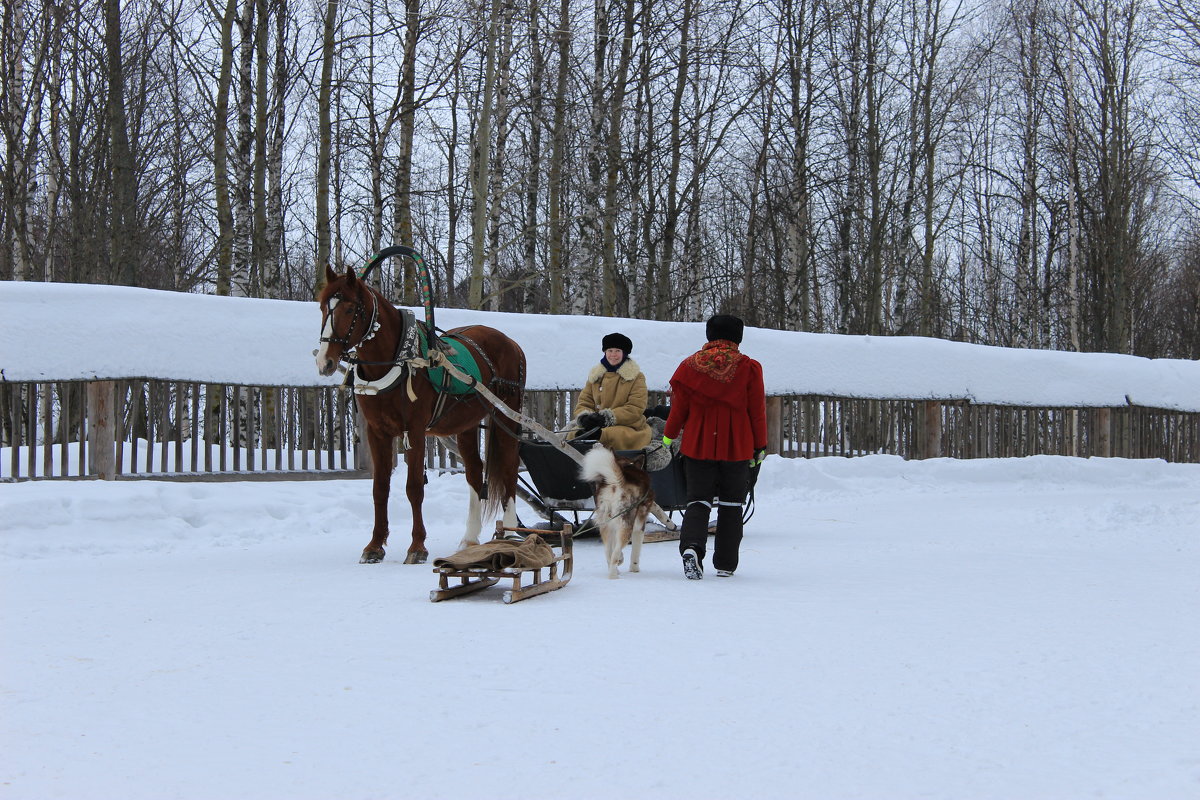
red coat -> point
(718, 401)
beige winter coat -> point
(623, 393)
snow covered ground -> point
(1026, 628)
(1019, 629)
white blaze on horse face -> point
(325, 364)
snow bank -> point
(79, 332)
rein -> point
(630, 507)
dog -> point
(624, 498)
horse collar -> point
(408, 347)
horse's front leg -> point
(468, 451)
(381, 488)
(415, 488)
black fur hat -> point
(619, 340)
(724, 326)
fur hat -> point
(724, 326)
(618, 340)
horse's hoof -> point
(418, 557)
(372, 557)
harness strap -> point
(542, 431)
(630, 507)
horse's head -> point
(349, 312)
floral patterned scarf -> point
(718, 360)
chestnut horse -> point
(398, 399)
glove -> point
(667, 442)
(589, 421)
(659, 412)
(760, 455)
(671, 444)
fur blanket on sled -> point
(530, 553)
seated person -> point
(614, 398)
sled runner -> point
(484, 565)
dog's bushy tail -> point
(600, 466)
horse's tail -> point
(502, 452)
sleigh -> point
(551, 486)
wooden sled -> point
(474, 579)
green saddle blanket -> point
(457, 353)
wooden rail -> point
(820, 426)
(139, 428)
(136, 428)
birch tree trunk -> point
(498, 171)
(258, 245)
(612, 164)
(481, 161)
(558, 147)
(221, 153)
(276, 133)
(677, 132)
(54, 156)
(122, 247)
(530, 227)
(14, 39)
(801, 294)
(324, 143)
(241, 277)
(402, 231)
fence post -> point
(362, 450)
(774, 424)
(102, 461)
(932, 446)
(1103, 433)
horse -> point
(398, 398)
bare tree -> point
(324, 139)
(122, 245)
(558, 148)
(1180, 44)
(1111, 47)
(26, 50)
(226, 18)
(481, 156)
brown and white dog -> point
(624, 499)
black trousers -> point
(727, 482)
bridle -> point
(407, 351)
(360, 314)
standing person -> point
(614, 398)
(719, 403)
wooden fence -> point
(140, 428)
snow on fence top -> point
(54, 331)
